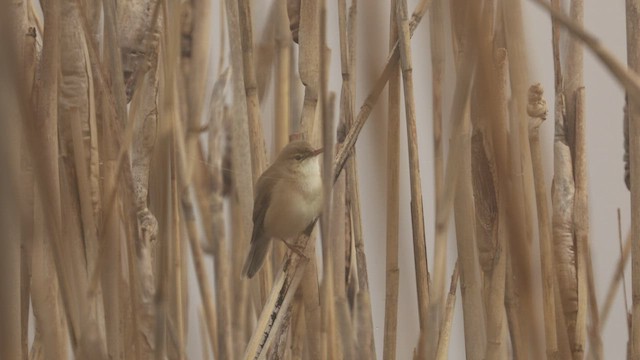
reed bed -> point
(134, 133)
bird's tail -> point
(257, 254)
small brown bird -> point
(288, 198)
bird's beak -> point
(317, 152)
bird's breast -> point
(295, 202)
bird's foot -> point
(296, 249)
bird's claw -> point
(299, 250)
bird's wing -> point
(262, 198)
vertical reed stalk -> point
(256, 136)
(392, 282)
(417, 215)
(436, 30)
(633, 110)
(283, 81)
(581, 220)
(522, 196)
(458, 177)
(329, 330)
(372, 98)
(537, 111)
(216, 232)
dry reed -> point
(131, 145)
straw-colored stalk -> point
(279, 300)
(144, 114)
(175, 268)
(628, 79)
(12, 332)
(256, 135)
(27, 56)
(310, 52)
(348, 208)
(633, 111)
(442, 351)
(364, 317)
(241, 162)
(438, 293)
(618, 277)
(633, 61)
(522, 192)
(573, 75)
(216, 230)
(581, 222)
(27, 198)
(537, 111)
(392, 282)
(631, 84)
(339, 237)
(417, 215)
(512, 308)
(309, 61)
(372, 98)
(47, 174)
(459, 177)
(436, 30)
(283, 81)
(562, 193)
(204, 283)
(489, 118)
(299, 328)
(329, 331)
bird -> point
(287, 200)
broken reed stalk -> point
(572, 83)
(537, 111)
(392, 282)
(308, 62)
(444, 336)
(627, 78)
(417, 215)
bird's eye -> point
(298, 157)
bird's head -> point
(298, 154)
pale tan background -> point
(606, 19)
